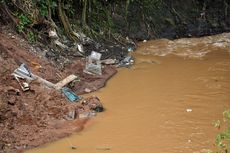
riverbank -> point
(40, 115)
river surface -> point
(165, 103)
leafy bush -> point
(23, 22)
(222, 142)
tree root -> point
(65, 22)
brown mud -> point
(29, 119)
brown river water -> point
(165, 103)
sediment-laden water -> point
(165, 103)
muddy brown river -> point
(165, 103)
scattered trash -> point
(23, 72)
(53, 34)
(108, 61)
(86, 115)
(70, 94)
(130, 49)
(95, 56)
(65, 81)
(126, 62)
(72, 115)
(144, 41)
(93, 64)
(80, 48)
(58, 43)
(188, 110)
(87, 90)
(24, 85)
(83, 38)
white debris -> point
(188, 110)
(86, 115)
(87, 90)
(108, 61)
(95, 55)
(93, 64)
(80, 48)
(53, 34)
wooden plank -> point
(65, 81)
(43, 81)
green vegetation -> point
(222, 141)
(23, 22)
(93, 17)
(114, 20)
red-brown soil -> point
(29, 119)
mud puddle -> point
(162, 104)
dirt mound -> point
(40, 115)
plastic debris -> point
(95, 56)
(130, 49)
(86, 115)
(80, 48)
(24, 85)
(53, 34)
(108, 61)
(126, 62)
(188, 110)
(87, 90)
(23, 72)
(93, 64)
(71, 115)
(70, 94)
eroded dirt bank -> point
(38, 116)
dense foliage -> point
(139, 19)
